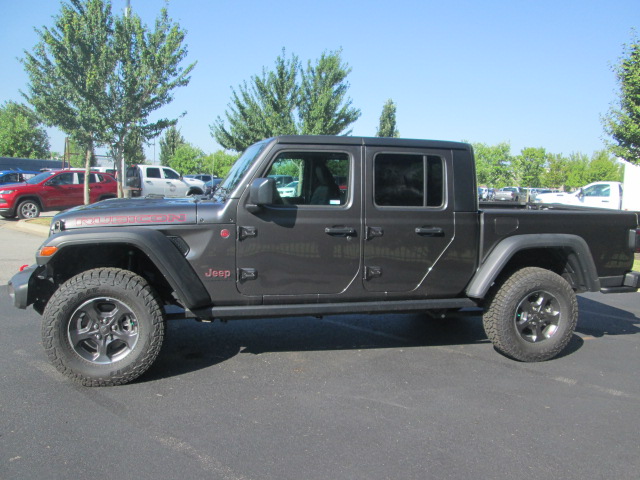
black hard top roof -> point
(370, 141)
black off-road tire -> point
(103, 327)
(532, 315)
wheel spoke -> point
(128, 338)
(78, 336)
(101, 355)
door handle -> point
(430, 231)
(340, 231)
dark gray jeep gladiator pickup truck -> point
(369, 225)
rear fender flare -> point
(579, 257)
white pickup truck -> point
(158, 180)
(610, 195)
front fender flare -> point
(160, 250)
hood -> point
(130, 211)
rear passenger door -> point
(409, 220)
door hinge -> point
(373, 232)
(246, 274)
(372, 272)
(246, 232)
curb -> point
(25, 226)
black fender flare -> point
(579, 257)
(160, 250)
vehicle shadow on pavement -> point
(190, 346)
(599, 319)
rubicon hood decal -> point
(163, 218)
(131, 212)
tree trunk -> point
(87, 169)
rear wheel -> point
(103, 327)
(532, 315)
(28, 209)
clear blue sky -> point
(531, 73)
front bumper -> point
(19, 287)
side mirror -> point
(580, 193)
(261, 192)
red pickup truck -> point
(54, 190)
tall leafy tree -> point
(324, 107)
(557, 171)
(169, 143)
(578, 168)
(21, 135)
(187, 159)
(623, 120)
(288, 101)
(99, 77)
(493, 164)
(219, 163)
(68, 73)
(602, 167)
(148, 69)
(134, 148)
(529, 167)
(387, 126)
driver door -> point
(308, 243)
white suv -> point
(143, 180)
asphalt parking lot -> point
(353, 397)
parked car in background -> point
(289, 190)
(15, 176)
(211, 185)
(205, 177)
(510, 194)
(144, 180)
(54, 190)
(282, 180)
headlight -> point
(6, 192)
(56, 227)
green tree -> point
(288, 101)
(529, 167)
(187, 160)
(219, 163)
(134, 148)
(578, 167)
(324, 108)
(20, 133)
(169, 143)
(387, 125)
(622, 122)
(68, 73)
(493, 164)
(74, 154)
(603, 167)
(99, 77)
(557, 171)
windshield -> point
(41, 177)
(239, 169)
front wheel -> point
(532, 315)
(103, 327)
(28, 209)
